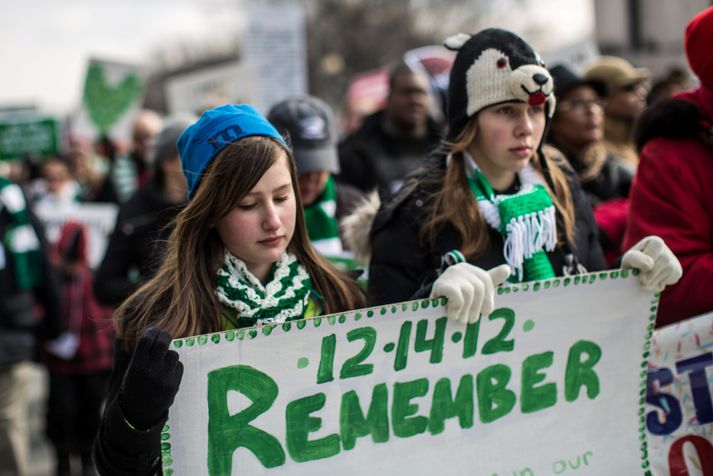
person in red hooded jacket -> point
(672, 193)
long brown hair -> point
(454, 203)
(180, 298)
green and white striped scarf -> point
(321, 221)
(20, 241)
(526, 219)
(283, 298)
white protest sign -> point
(98, 217)
(552, 382)
(227, 83)
(679, 411)
(275, 48)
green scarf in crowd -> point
(321, 221)
(20, 241)
(526, 219)
(284, 298)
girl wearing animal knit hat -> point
(238, 256)
(492, 200)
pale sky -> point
(45, 45)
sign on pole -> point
(228, 83)
(111, 97)
(679, 410)
(275, 48)
(553, 381)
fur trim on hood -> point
(356, 227)
(673, 119)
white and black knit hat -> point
(494, 66)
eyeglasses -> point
(580, 105)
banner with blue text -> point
(552, 382)
(679, 409)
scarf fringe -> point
(528, 234)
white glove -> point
(657, 264)
(470, 290)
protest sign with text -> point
(552, 382)
(679, 411)
(28, 134)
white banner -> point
(98, 217)
(228, 83)
(679, 411)
(552, 382)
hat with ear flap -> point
(492, 67)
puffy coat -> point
(672, 196)
(372, 158)
(137, 241)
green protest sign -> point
(28, 135)
(552, 382)
(110, 89)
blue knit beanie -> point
(201, 142)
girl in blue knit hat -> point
(239, 256)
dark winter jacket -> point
(606, 183)
(403, 268)
(137, 242)
(613, 180)
(20, 323)
(372, 158)
(672, 197)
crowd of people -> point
(233, 219)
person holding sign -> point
(493, 200)
(239, 256)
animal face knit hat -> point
(492, 67)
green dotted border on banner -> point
(368, 313)
(645, 464)
(166, 460)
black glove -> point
(151, 381)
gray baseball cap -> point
(309, 125)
